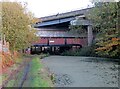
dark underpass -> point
(53, 49)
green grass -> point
(37, 78)
(0, 79)
(15, 81)
(10, 83)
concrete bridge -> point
(55, 34)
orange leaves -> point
(100, 48)
(113, 42)
(115, 39)
(7, 60)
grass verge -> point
(38, 76)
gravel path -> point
(82, 71)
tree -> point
(105, 18)
(78, 29)
(16, 21)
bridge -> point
(55, 34)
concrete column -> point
(90, 35)
(40, 49)
(50, 50)
(54, 49)
(35, 49)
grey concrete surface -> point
(83, 71)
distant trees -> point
(77, 28)
(16, 21)
(105, 19)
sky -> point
(49, 7)
(41, 8)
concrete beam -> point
(81, 22)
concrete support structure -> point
(40, 49)
(55, 36)
(87, 23)
(90, 35)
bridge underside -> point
(53, 49)
(55, 35)
(57, 45)
(54, 22)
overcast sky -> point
(48, 7)
(42, 8)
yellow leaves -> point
(15, 25)
(107, 22)
(100, 48)
(35, 20)
(113, 42)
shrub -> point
(85, 51)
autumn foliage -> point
(105, 22)
(111, 48)
(17, 21)
(7, 60)
(16, 26)
(114, 42)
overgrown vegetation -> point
(13, 80)
(16, 29)
(16, 21)
(105, 17)
(85, 51)
(78, 28)
(35, 69)
(38, 75)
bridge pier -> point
(40, 49)
(90, 35)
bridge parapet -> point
(66, 15)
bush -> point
(85, 51)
